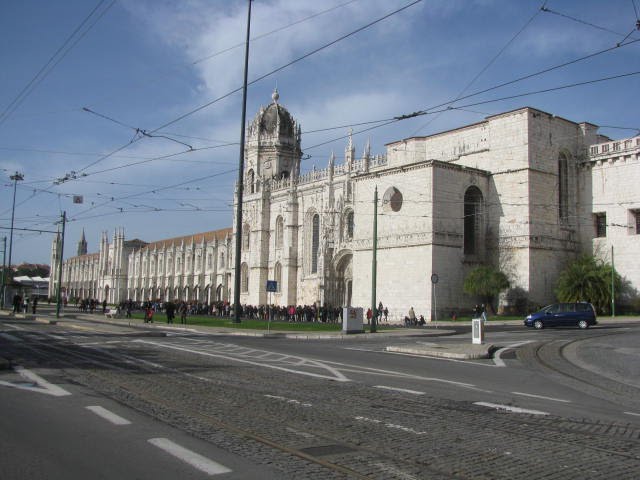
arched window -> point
(246, 232)
(251, 181)
(277, 276)
(472, 220)
(279, 232)
(244, 278)
(315, 242)
(563, 188)
(348, 228)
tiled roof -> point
(194, 238)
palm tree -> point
(487, 283)
(588, 279)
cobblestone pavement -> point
(314, 428)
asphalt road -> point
(559, 403)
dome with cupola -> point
(273, 120)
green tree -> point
(588, 279)
(487, 283)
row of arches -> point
(186, 294)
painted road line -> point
(509, 408)
(497, 357)
(335, 374)
(632, 413)
(404, 390)
(109, 416)
(390, 425)
(542, 397)
(38, 384)
(194, 459)
(11, 338)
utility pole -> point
(60, 256)
(4, 267)
(15, 177)
(374, 262)
(238, 251)
(613, 292)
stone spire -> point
(82, 245)
(350, 151)
(332, 162)
(366, 156)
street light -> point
(15, 177)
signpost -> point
(272, 286)
(434, 281)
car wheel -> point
(583, 324)
(538, 325)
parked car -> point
(581, 314)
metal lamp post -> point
(15, 177)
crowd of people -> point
(291, 313)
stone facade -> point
(524, 191)
(192, 268)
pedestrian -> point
(386, 315)
(35, 305)
(148, 315)
(412, 316)
(483, 313)
(25, 305)
(104, 306)
(369, 315)
(183, 313)
(170, 308)
(17, 303)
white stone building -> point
(524, 191)
(192, 268)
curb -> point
(472, 352)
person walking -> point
(34, 305)
(148, 315)
(412, 316)
(170, 309)
(17, 303)
(183, 313)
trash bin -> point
(477, 331)
(352, 320)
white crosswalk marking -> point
(109, 416)
(192, 458)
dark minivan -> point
(581, 314)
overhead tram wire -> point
(48, 67)
(491, 62)
(263, 35)
(313, 52)
(574, 19)
(228, 94)
(391, 121)
(133, 195)
(402, 117)
(484, 102)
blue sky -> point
(145, 63)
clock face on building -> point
(392, 200)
